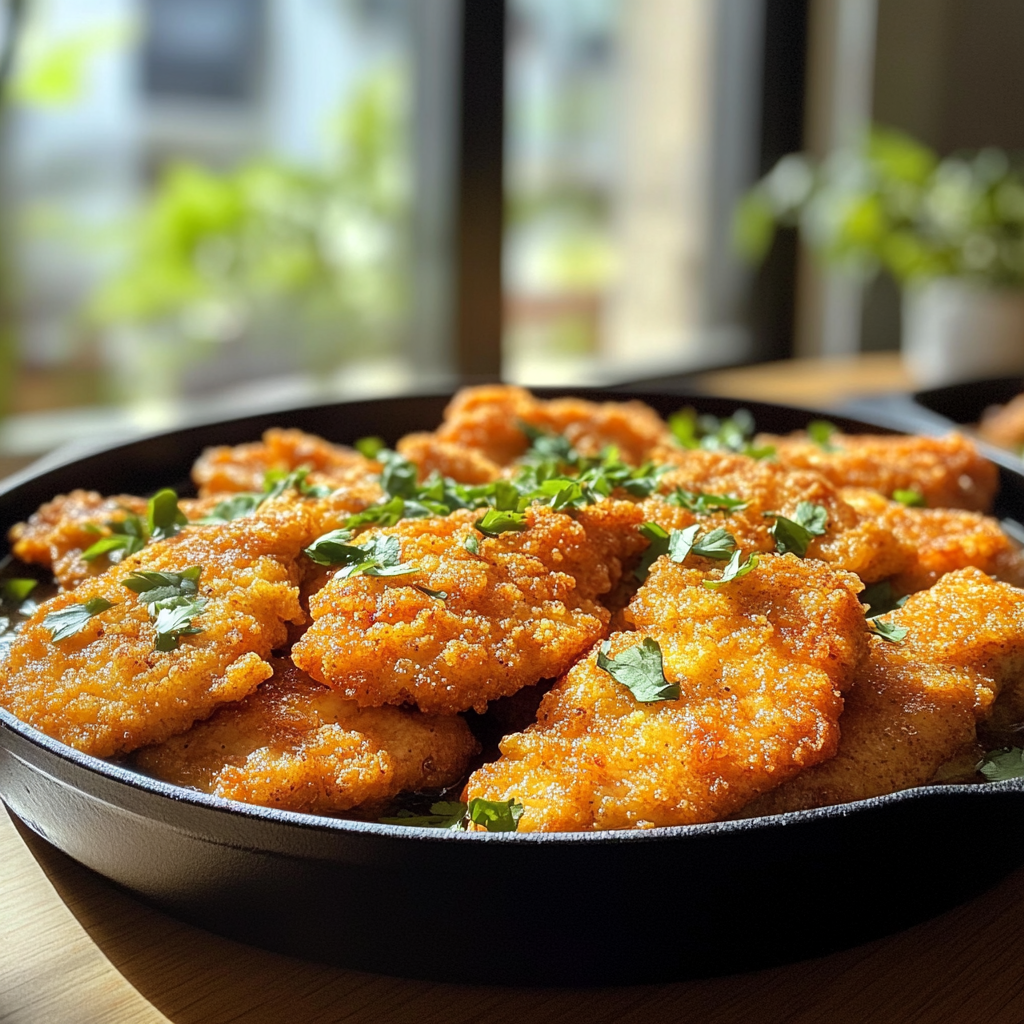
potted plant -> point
(950, 231)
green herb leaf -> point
(640, 670)
(704, 504)
(879, 598)
(163, 516)
(157, 587)
(472, 544)
(887, 630)
(276, 482)
(733, 571)
(441, 595)
(717, 544)
(495, 815)
(494, 522)
(547, 446)
(820, 432)
(658, 537)
(69, 621)
(15, 590)
(174, 621)
(122, 542)
(399, 475)
(370, 447)
(378, 556)
(235, 507)
(795, 535)
(733, 434)
(1000, 765)
(333, 548)
(450, 814)
(912, 499)
(681, 542)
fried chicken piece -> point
(1003, 425)
(915, 704)
(760, 663)
(940, 541)
(300, 746)
(949, 472)
(521, 608)
(853, 541)
(106, 690)
(466, 465)
(486, 421)
(59, 531)
(243, 467)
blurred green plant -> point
(316, 260)
(891, 204)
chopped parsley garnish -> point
(1003, 764)
(163, 517)
(378, 556)
(235, 507)
(640, 670)
(702, 504)
(370, 447)
(495, 521)
(677, 544)
(820, 432)
(912, 499)
(472, 544)
(14, 590)
(493, 815)
(879, 598)
(71, 620)
(131, 534)
(733, 571)
(172, 600)
(795, 535)
(733, 434)
(887, 630)
(275, 483)
(545, 446)
(441, 595)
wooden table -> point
(74, 948)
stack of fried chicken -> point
(712, 624)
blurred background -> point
(211, 206)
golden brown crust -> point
(760, 663)
(948, 471)
(243, 467)
(106, 690)
(521, 609)
(1003, 425)
(299, 746)
(431, 455)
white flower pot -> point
(955, 330)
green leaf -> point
(795, 535)
(386, 514)
(235, 507)
(887, 630)
(399, 476)
(333, 548)
(879, 598)
(820, 432)
(545, 446)
(450, 814)
(732, 434)
(14, 590)
(494, 522)
(717, 544)
(276, 482)
(378, 556)
(681, 542)
(912, 499)
(659, 538)
(441, 595)
(495, 815)
(472, 544)
(702, 504)
(370, 447)
(640, 670)
(69, 621)
(1001, 765)
(122, 542)
(156, 587)
(733, 571)
(163, 516)
(174, 621)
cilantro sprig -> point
(69, 621)
(677, 544)
(820, 432)
(641, 670)
(172, 600)
(1003, 764)
(377, 556)
(493, 815)
(131, 534)
(888, 630)
(734, 570)
(733, 434)
(275, 483)
(795, 535)
(702, 504)
(880, 598)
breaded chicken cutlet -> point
(760, 664)
(107, 689)
(948, 472)
(299, 746)
(916, 704)
(520, 607)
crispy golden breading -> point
(915, 704)
(56, 535)
(466, 465)
(521, 609)
(486, 421)
(299, 746)
(941, 540)
(243, 467)
(106, 690)
(854, 542)
(948, 471)
(760, 662)
(1003, 425)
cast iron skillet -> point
(594, 908)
